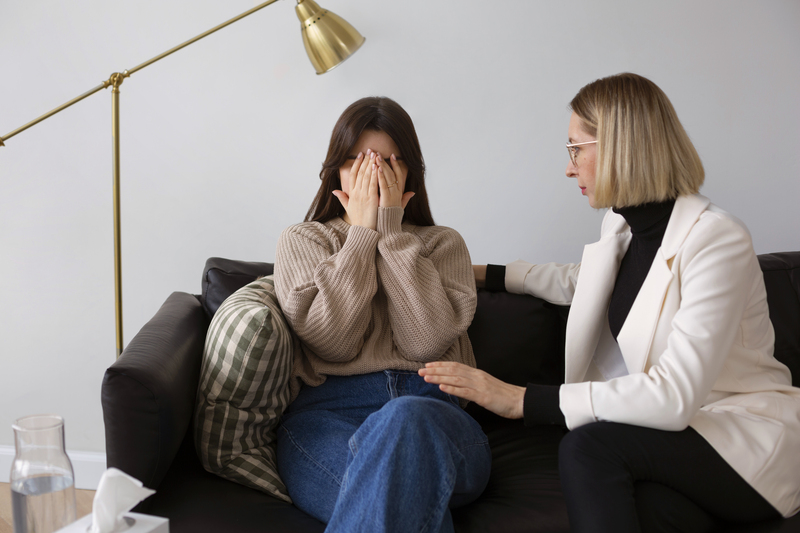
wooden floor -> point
(83, 499)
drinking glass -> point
(42, 479)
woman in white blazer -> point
(681, 419)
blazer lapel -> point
(599, 267)
(637, 332)
(636, 336)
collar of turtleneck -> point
(647, 221)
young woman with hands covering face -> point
(374, 291)
(680, 417)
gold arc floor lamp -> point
(328, 40)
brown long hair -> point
(374, 113)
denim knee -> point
(412, 410)
(400, 418)
(430, 423)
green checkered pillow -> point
(244, 388)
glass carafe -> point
(42, 480)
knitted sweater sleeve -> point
(325, 293)
(430, 287)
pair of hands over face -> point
(372, 182)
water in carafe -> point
(42, 479)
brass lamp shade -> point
(329, 39)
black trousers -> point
(621, 478)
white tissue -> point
(116, 494)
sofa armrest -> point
(148, 394)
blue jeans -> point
(381, 452)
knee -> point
(414, 407)
(577, 442)
(650, 502)
(414, 421)
(411, 415)
(662, 509)
(585, 446)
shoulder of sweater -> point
(317, 232)
(433, 236)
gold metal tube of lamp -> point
(328, 40)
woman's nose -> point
(571, 170)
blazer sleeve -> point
(552, 282)
(717, 269)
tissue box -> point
(144, 523)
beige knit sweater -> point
(363, 301)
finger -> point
(356, 163)
(342, 197)
(382, 183)
(387, 170)
(444, 377)
(363, 171)
(391, 177)
(399, 171)
(451, 364)
(450, 381)
(369, 165)
(373, 176)
(439, 368)
(467, 394)
(476, 391)
(388, 185)
(355, 169)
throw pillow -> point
(243, 388)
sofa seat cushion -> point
(196, 501)
(243, 388)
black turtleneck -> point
(648, 224)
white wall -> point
(222, 143)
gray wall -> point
(222, 143)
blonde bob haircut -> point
(643, 153)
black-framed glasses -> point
(573, 153)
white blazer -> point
(698, 344)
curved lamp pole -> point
(328, 40)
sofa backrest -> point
(520, 339)
(223, 277)
(782, 279)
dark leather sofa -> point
(148, 398)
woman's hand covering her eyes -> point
(392, 182)
(373, 182)
(361, 205)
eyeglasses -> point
(573, 153)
